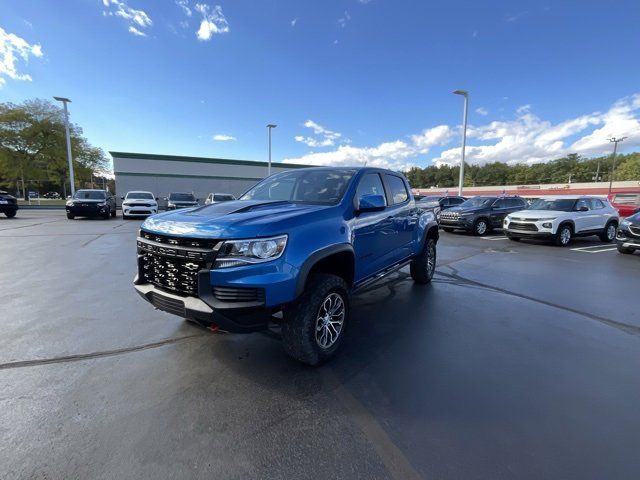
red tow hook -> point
(213, 328)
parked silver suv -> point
(561, 218)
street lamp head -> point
(461, 92)
(62, 99)
(272, 125)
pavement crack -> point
(88, 356)
(91, 240)
(462, 281)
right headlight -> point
(625, 224)
(234, 253)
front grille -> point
(179, 241)
(139, 205)
(238, 294)
(173, 263)
(530, 227)
(449, 216)
(635, 230)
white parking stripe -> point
(595, 249)
(501, 237)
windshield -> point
(305, 186)
(477, 202)
(222, 197)
(429, 200)
(139, 195)
(182, 197)
(561, 205)
(90, 195)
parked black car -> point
(177, 200)
(480, 214)
(628, 236)
(91, 203)
(8, 204)
(437, 203)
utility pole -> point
(615, 142)
(66, 127)
(465, 94)
(597, 178)
(270, 127)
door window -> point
(500, 203)
(398, 189)
(370, 184)
(582, 203)
(596, 204)
(455, 201)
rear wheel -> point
(314, 324)
(625, 250)
(564, 235)
(423, 266)
(609, 232)
(480, 227)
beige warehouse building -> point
(163, 174)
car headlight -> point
(625, 224)
(69, 203)
(171, 204)
(466, 214)
(242, 252)
(547, 225)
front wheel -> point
(563, 237)
(10, 214)
(609, 232)
(70, 216)
(314, 324)
(423, 266)
(480, 227)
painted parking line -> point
(501, 237)
(595, 249)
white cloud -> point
(512, 17)
(221, 137)
(529, 139)
(327, 138)
(184, 5)
(293, 22)
(12, 49)
(364, 2)
(482, 111)
(342, 21)
(138, 20)
(525, 139)
(213, 22)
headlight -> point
(242, 252)
(69, 203)
(547, 225)
(466, 214)
(625, 223)
(171, 204)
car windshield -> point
(559, 204)
(304, 186)
(221, 197)
(429, 200)
(139, 196)
(90, 195)
(477, 202)
(182, 197)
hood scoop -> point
(235, 206)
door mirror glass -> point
(371, 203)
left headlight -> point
(625, 224)
(234, 253)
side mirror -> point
(371, 203)
(165, 198)
(121, 198)
(583, 209)
(157, 199)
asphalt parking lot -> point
(520, 360)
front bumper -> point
(626, 239)
(463, 223)
(87, 210)
(139, 211)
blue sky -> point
(347, 81)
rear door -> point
(403, 215)
(600, 215)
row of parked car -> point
(556, 218)
(101, 203)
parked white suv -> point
(563, 217)
(139, 204)
(218, 197)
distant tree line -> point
(569, 169)
(33, 150)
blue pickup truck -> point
(291, 250)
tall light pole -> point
(66, 127)
(270, 127)
(615, 142)
(465, 94)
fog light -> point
(546, 225)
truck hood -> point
(233, 219)
(537, 214)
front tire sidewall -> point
(299, 327)
(609, 229)
(478, 228)
(563, 242)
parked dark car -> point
(479, 215)
(91, 203)
(437, 203)
(628, 236)
(8, 204)
(177, 200)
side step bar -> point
(380, 275)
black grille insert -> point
(238, 294)
(635, 230)
(530, 227)
(179, 241)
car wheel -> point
(625, 250)
(480, 227)
(10, 214)
(448, 230)
(609, 232)
(113, 214)
(563, 237)
(314, 324)
(423, 266)
(124, 217)
(70, 216)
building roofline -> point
(224, 161)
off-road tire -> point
(420, 269)
(604, 236)
(299, 319)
